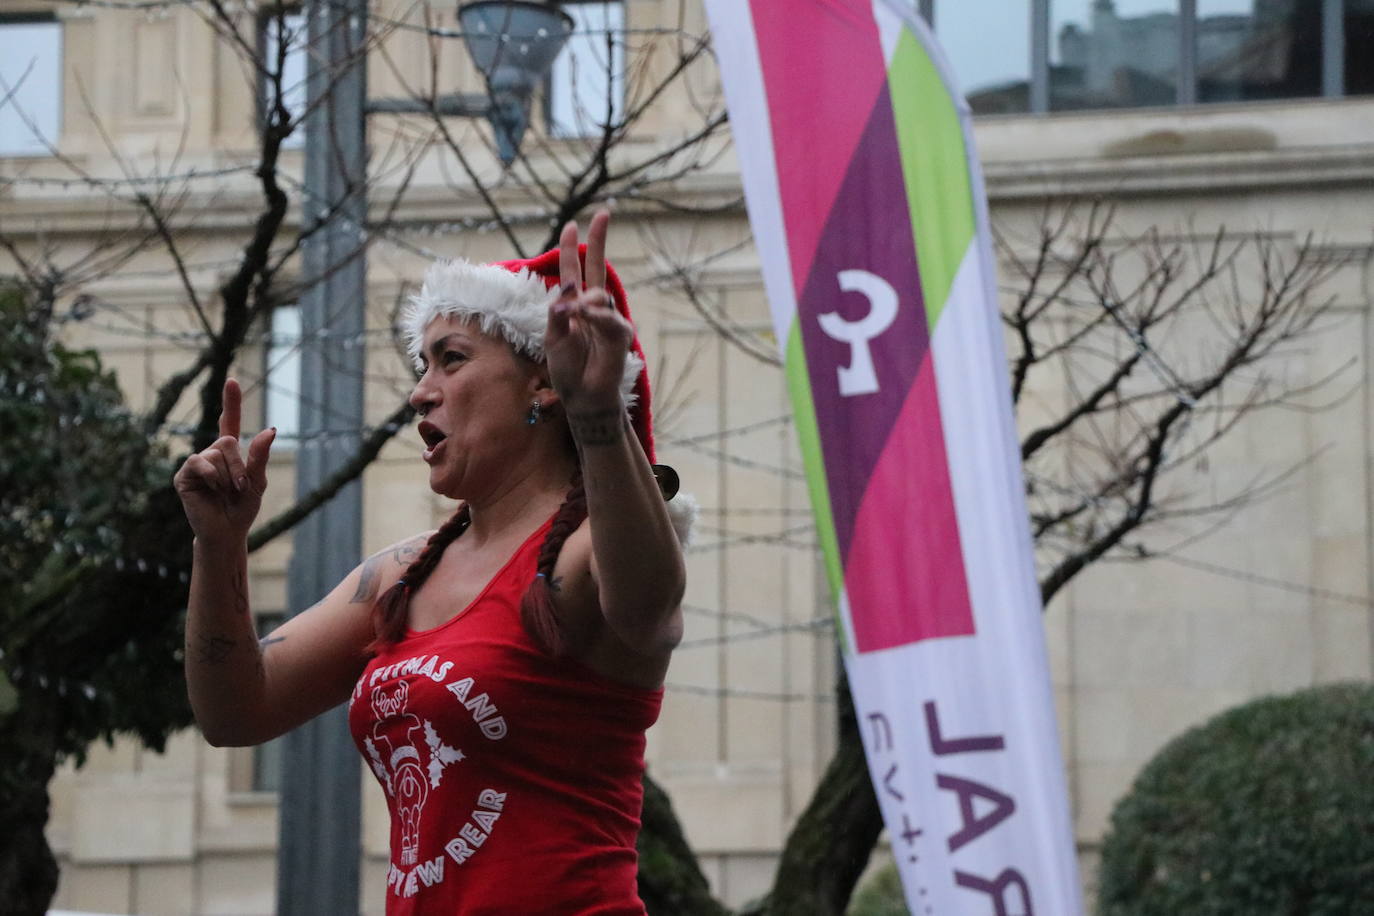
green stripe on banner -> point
(935, 166)
(808, 434)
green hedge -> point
(880, 895)
(1266, 809)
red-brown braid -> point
(389, 611)
(537, 610)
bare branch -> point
(369, 449)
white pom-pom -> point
(682, 512)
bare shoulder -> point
(317, 655)
(386, 566)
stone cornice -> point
(231, 206)
(1214, 172)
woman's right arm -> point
(244, 691)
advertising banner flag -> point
(868, 210)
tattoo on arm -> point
(367, 580)
(214, 650)
(600, 427)
(369, 577)
(240, 585)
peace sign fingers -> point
(569, 264)
(596, 249)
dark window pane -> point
(1359, 47)
(1105, 54)
(267, 758)
(1258, 49)
(988, 46)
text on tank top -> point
(512, 778)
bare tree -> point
(1085, 303)
(1131, 355)
(116, 606)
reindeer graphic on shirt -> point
(409, 759)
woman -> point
(500, 671)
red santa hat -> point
(510, 300)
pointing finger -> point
(232, 409)
(596, 249)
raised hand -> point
(587, 339)
(220, 490)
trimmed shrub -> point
(1266, 809)
(880, 895)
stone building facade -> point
(1274, 597)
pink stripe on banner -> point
(905, 570)
(823, 68)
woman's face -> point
(474, 398)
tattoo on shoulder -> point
(269, 640)
(369, 577)
(214, 650)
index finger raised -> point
(231, 411)
(596, 249)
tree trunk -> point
(670, 879)
(826, 852)
(829, 847)
(28, 869)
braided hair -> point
(537, 610)
(389, 611)
(538, 613)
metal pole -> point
(1186, 91)
(319, 847)
(1040, 56)
(1333, 49)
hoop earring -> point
(535, 408)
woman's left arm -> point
(636, 560)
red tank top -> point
(512, 778)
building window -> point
(1248, 50)
(988, 46)
(30, 84)
(282, 375)
(1094, 54)
(587, 82)
(1358, 34)
(1113, 55)
(284, 27)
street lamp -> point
(513, 43)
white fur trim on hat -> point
(682, 512)
(511, 305)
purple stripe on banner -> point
(869, 231)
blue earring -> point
(535, 407)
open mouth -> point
(431, 435)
